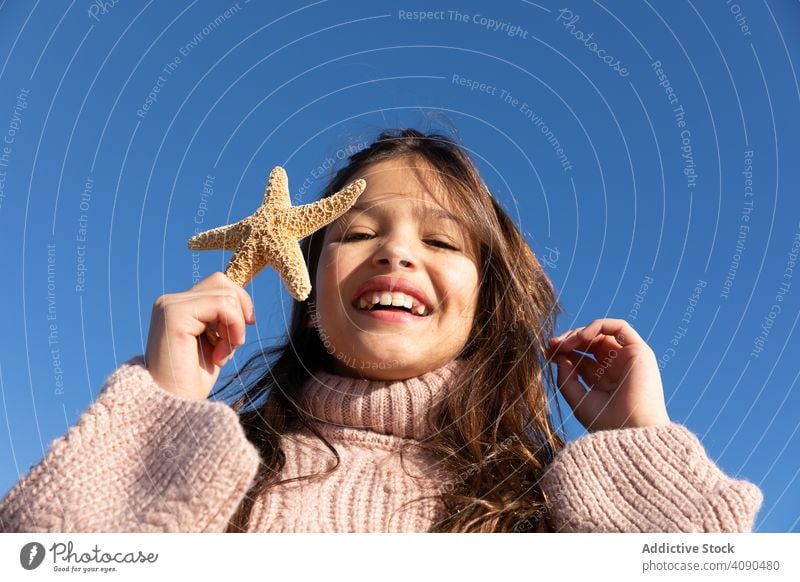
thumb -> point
(223, 352)
(568, 383)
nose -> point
(394, 254)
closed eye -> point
(358, 236)
(442, 244)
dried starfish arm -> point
(308, 218)
(226, 238)
(292, 268)
(276, 194)
(241, 269)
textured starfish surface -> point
(270, 235)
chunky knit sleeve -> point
(649, 479)
(139, 459)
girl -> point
(411, 393)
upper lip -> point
(385, 283)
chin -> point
(380, 367)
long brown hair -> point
(496, 435)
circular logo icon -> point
(31, 555)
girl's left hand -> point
(625, 383)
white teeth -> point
(367, 300)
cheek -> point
(323, 270)
(323, 284)
(330, 267)
(332, 270)
(471, 306)
(461, 283)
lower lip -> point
(393, 316)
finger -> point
(568, 383)
(231, 327)
(205, 348)
(214, 352)
(219, 280)
(214, 281)
(555, 343)
(223, 351)
(231, 294)
(248, 308)
(601, 347)
(586, 367)
(222, 309)
(593, 345)
(211, 330)
(565, 334)
(217, 353)
(560, 339)
(619, 329)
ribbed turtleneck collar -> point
(403, 408)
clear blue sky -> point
(618, 134)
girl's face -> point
(397, 246)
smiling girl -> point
(411, 393)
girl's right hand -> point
(179, 356)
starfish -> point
(270, 235)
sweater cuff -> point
(646, 479)
(138, 459)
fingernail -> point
(251, 316)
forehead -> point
(401, 180)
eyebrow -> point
(419, 211)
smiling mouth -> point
(373, 302)
(393, 315)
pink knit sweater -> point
(140, 459)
